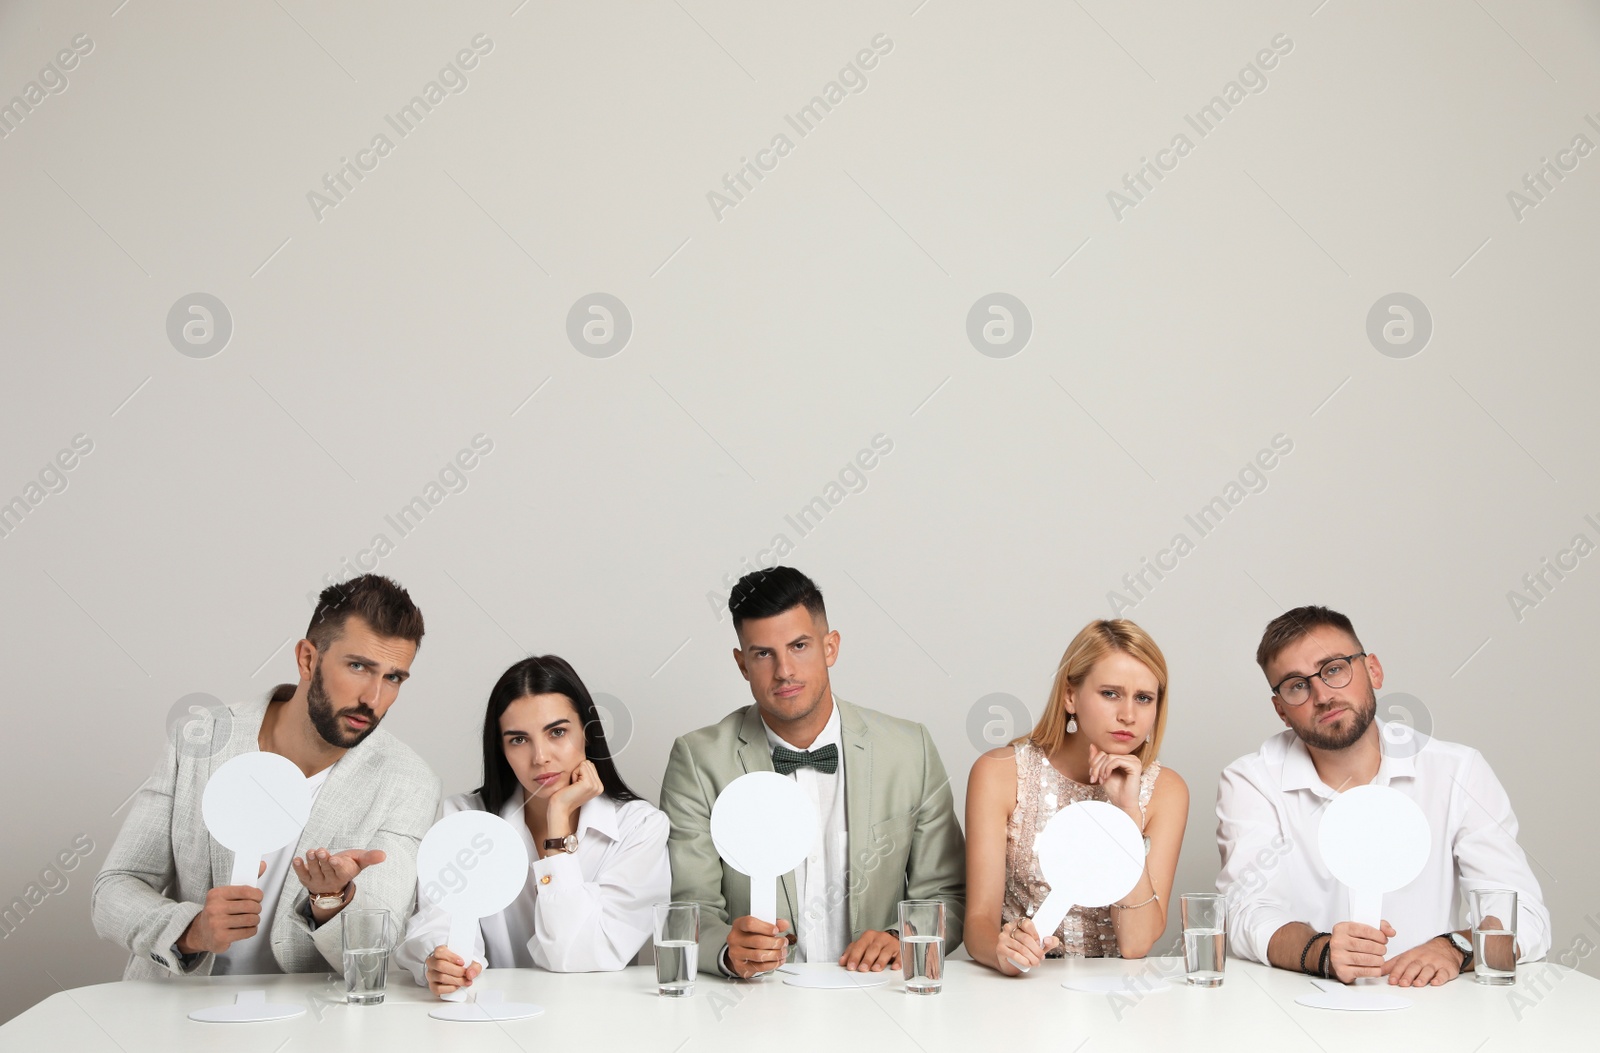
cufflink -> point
(544, 879)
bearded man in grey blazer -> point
(886, 815)
(164, 891)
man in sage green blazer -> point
(886, 814)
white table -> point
(978, 1010)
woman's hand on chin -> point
(583, 787)
(1119, 773)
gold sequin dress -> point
(1042, 791)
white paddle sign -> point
(255, 804)
(471, 865)
(763, 825)
(1374, 839)
(1092, 854)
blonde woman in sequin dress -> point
(1096, 741)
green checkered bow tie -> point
(825, 760)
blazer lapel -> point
(857, 796)
(755, 754)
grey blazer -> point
(155, 879)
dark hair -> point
(764, 593)
(376, 600)
(543, 675)
(1290, 626)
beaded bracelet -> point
(1307, 950)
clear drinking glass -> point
(1494, 936)
(1205, 947)
(922, 945)
(677, 943)
(366, 955)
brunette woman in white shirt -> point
(597, 852)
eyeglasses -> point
(1335, 672)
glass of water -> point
(1205, 948)
(1494, 936)
(677, 948)
(922, 945)
(366, 955)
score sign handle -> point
(764, 898)
(463, 935)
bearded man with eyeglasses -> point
(1284, 907)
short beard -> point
(816, 700)
(1335, 740)
(326, 721)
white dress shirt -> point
(821, 883)
(1269, 809)
(254, 956)
(579, 912)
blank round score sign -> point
(763, 825)
(471, 865)
(1374, 839)
(255, 804)
(1092, 854)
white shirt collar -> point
(1300, 772)
(830, 733)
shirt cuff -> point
(182, 964)
(1258, 933)
(722, 964)
(555, 872)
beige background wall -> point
(1173, 335)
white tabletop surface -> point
(1551, 1008)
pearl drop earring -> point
(1072, 723)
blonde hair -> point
(1095, 641)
